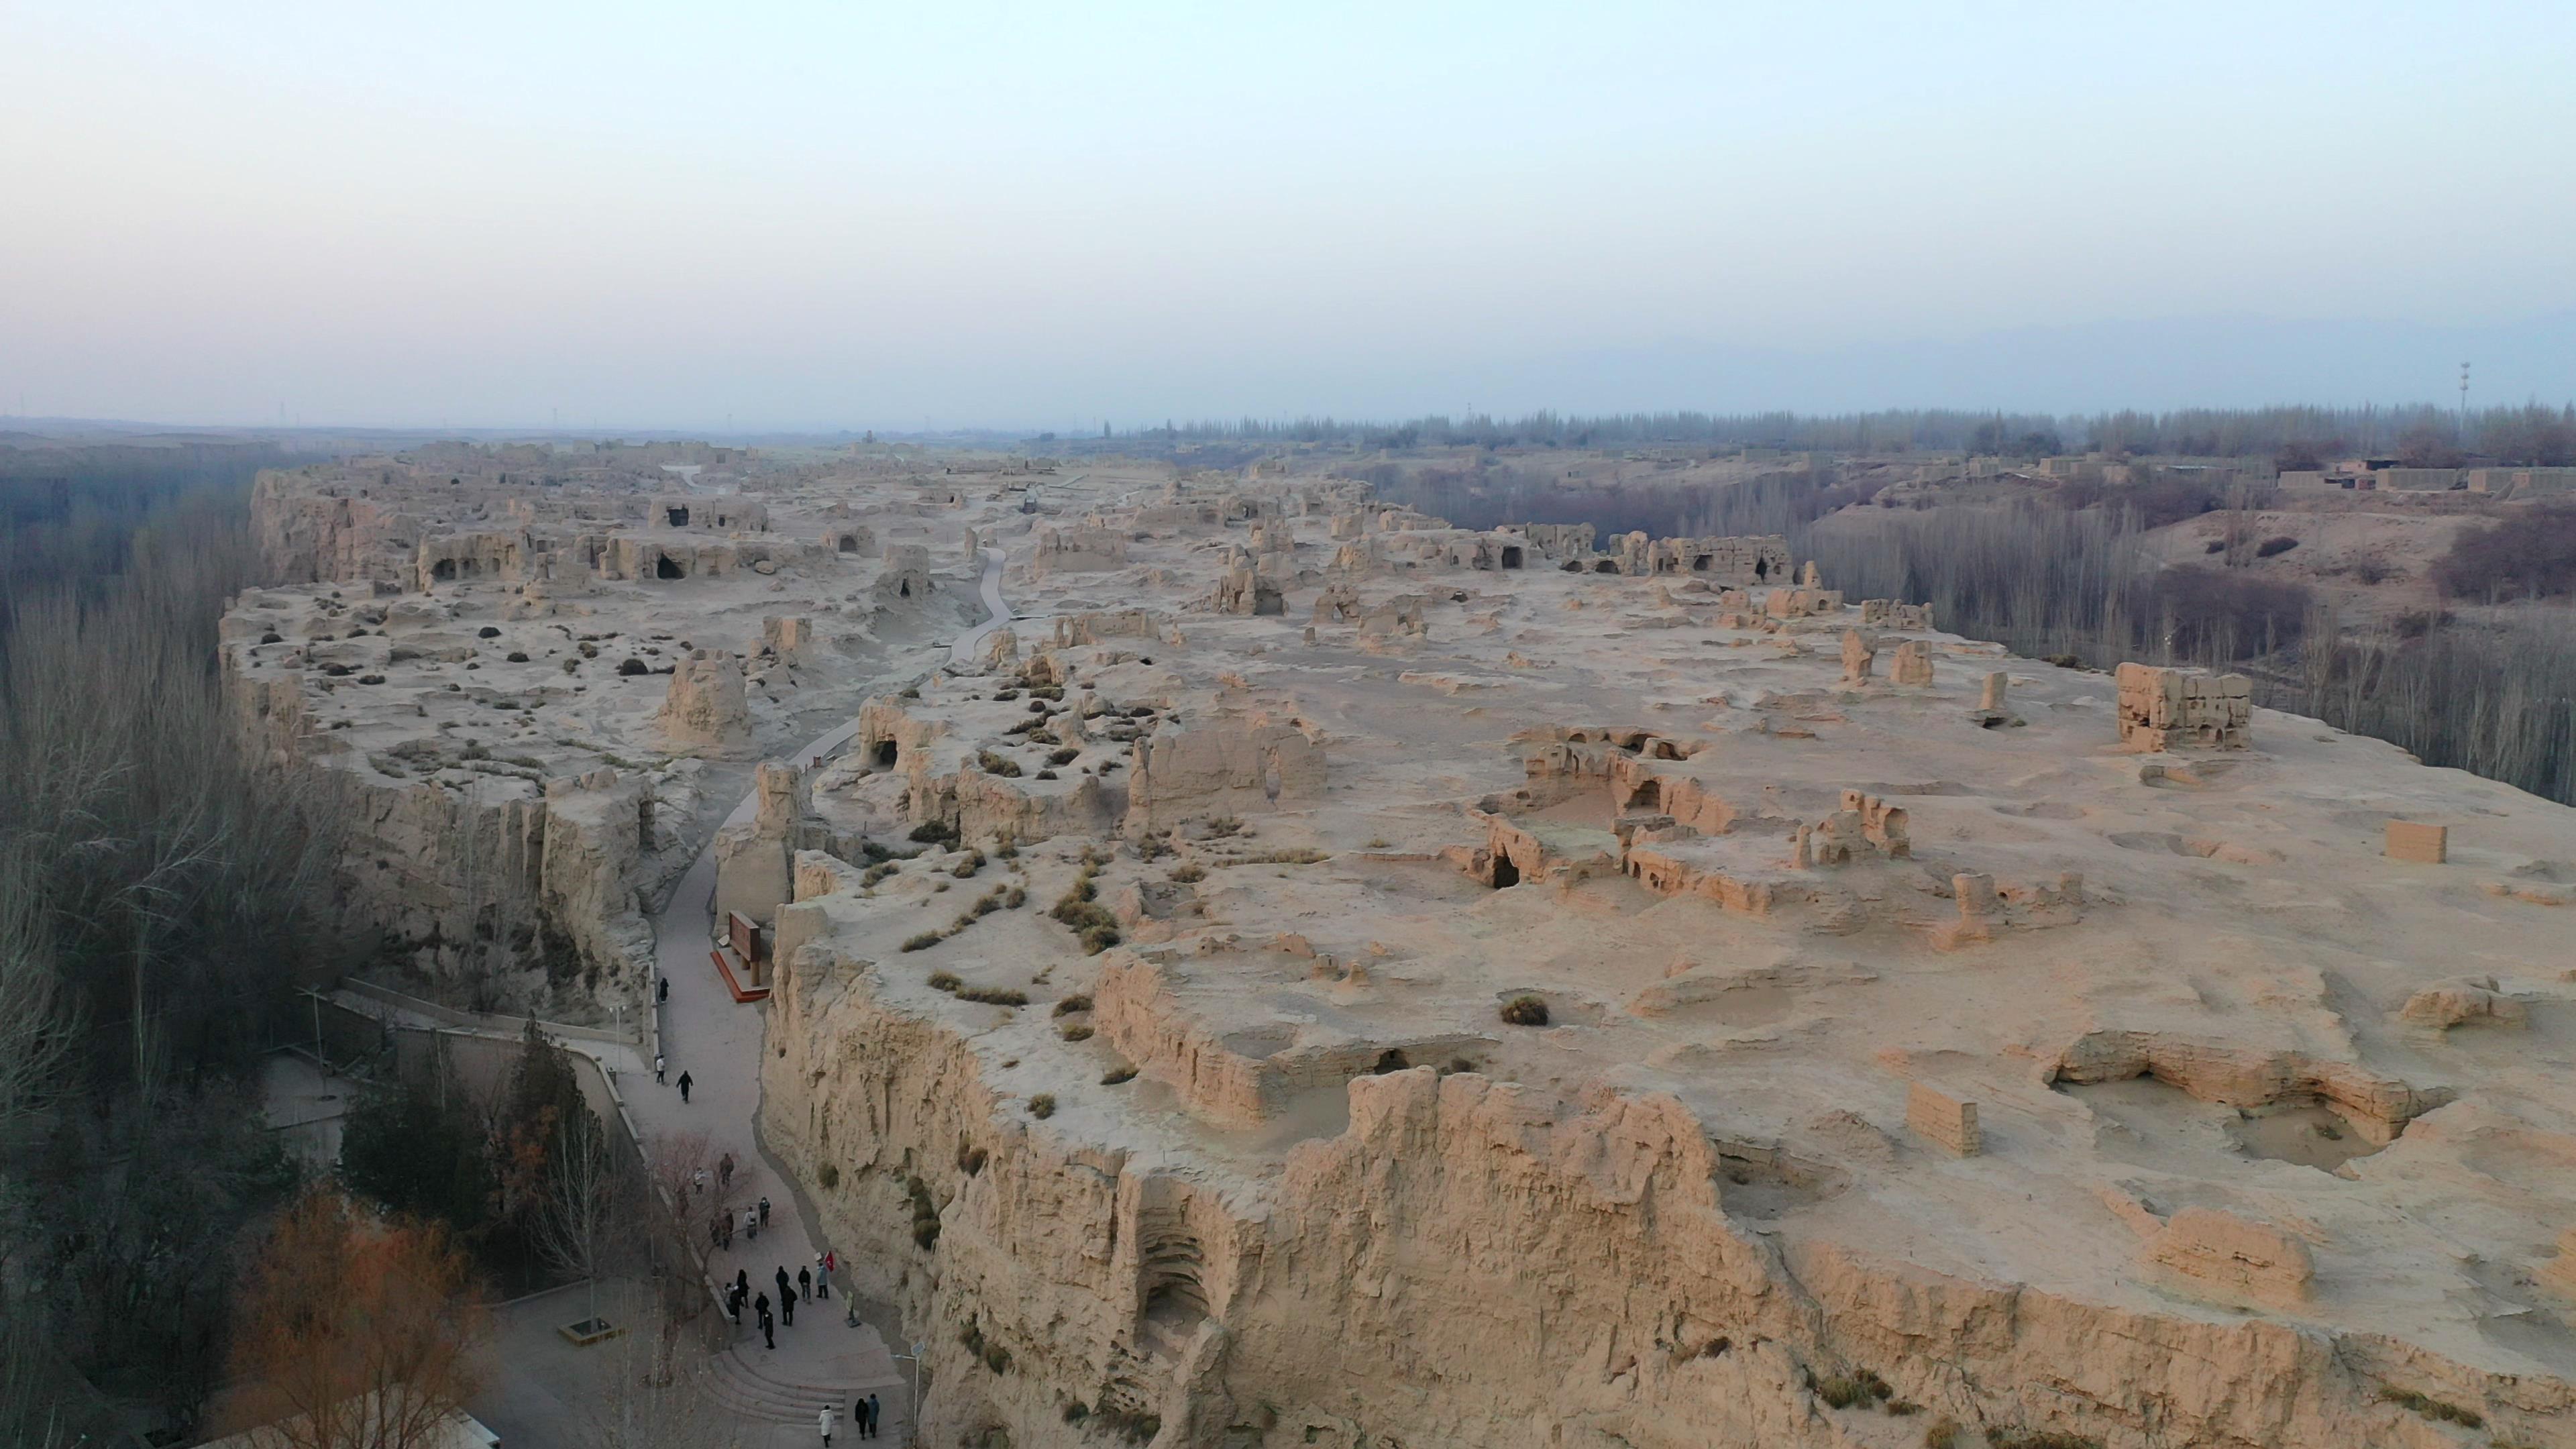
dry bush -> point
(2532, 557)
(354, 1330)
(1525, 1011)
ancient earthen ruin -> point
(1316, 976)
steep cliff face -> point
(1463, 1264)
(506, 889)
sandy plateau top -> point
(2166, 982)
(1319, 914)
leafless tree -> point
(586, 1219)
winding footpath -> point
(827, 1356)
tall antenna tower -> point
(2464, 404)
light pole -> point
(919, 1348)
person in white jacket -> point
(826, 1418)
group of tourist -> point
(863, 1412)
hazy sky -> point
(851, 214)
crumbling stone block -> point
(2218, 1255)
(1860, 651)
(1912, 665)
(2460, 1000)
(2166, 709)
(1946, 1122)
(2422, 844)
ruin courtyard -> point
(1313, 975)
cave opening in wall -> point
(678, 516)
(1511, 557)
(848, 544)
(885, 754)
(1606, 566)
(1505, 873)
(667, 567)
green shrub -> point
(925, 1213)
(934, 832)
(2432, 1408)
(1042, 1106)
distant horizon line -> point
(39, 425)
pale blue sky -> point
(811, 214)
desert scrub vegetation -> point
(1074, 1031)
(1067, 1006)
(1042, 1106)
(1190, 874)
(2037, 1439)
(2275, 546)
(1302, 855)
(1080, 909)
(992, 995)
(1860, 1387)
(925, 1213)
(1525, 1011)
(944, 981)
(2533, 557)
(1116, 1075)
(2431, 1408)
(935, 832)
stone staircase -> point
(754, 1383)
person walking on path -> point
(827, 1426)
(663, 991)
(750, 1226)
(873, 1430)
(805, 1284)
(724, 1171)
(698, 1180)
(726, 1219)
(768, 1326)
(657, 1069)
(764, 1212)
(684, 1089)
(786, 1289)
(822, 1275)
(742, 1280)
(787, 1310)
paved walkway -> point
(719, 1044)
